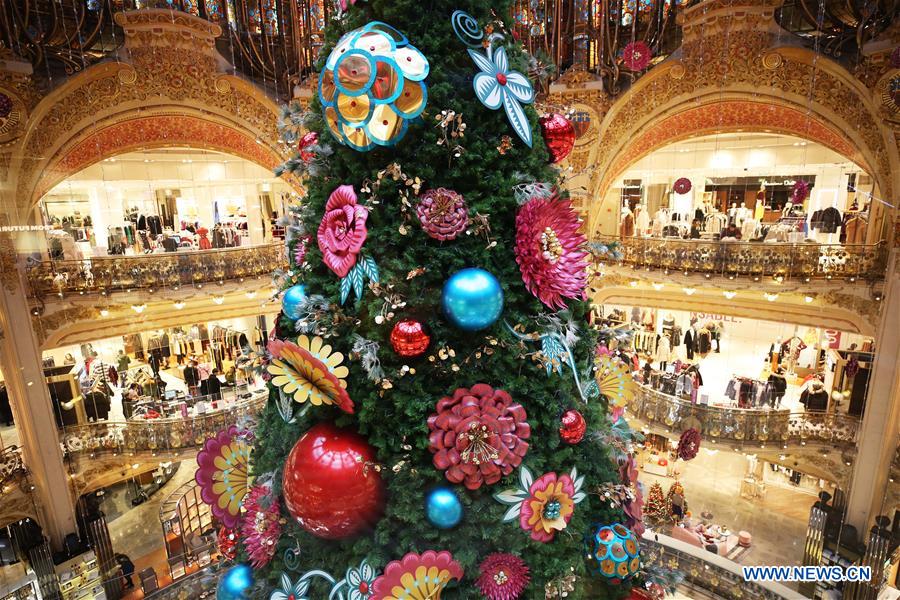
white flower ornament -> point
(496, 85)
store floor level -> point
(138, 532)
(776, 522)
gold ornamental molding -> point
(169, 88)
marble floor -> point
(777, 522)
(138, 532)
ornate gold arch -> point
(170, 87)
(733, 73)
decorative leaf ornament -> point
(496, 84)
(310, 371)
(357, 584)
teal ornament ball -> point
(291, 300)
(443, 508)
(614, 552)
(235, 584)
(472, 299)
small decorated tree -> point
(655, 507)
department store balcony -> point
(798, 262)
(162, 438)
(151, 272)
(739, 426)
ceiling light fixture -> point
(218, 299)
(251, 294)
(138, 308)
(689, 291)
(657, 286)
(178, 305)
(770, 297)
(808, 299)
(729, 294)
(104, 312)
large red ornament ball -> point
(309, 139)
(559, 135)
(330, 484)
(572, 427)
(409, 339)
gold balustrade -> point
(157, 436)
(153, 271)
(806, 260)
(742, 425)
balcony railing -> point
(158, 436)
(153, 271)
(803, 261)
(741, 425)
(707, 571)
(12, 467)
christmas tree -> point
(431, 338)
(655, 506)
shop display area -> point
(746, 187)
(171, 200)
(719, 360)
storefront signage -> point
(714, 317)
(10, 228)
(833, 338)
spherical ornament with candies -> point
(572, 427)
(443, 508)
(472, 299)
(310, 138)
(372, 86)
(614, 553)
(235, 584)
(559, 135)
(409, 338)
(443, 214)
(331, 483)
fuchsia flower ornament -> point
(342, 231)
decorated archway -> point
(733, 73)
(170, 88)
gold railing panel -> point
(800, 261)
(155, 435)
(744, 425)
(153, 271)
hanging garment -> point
(689, 343)
(626, 227)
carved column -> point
(20, 361)
(881, 422)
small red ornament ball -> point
(409, 339)
(328, 488)
(572, 427)
(309, 139)
(559, 135)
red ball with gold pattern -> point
(572, 427)
(409, 338)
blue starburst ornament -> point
(496, 84)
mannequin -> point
(759, 209)
(732, 213)
(626, 226)
(641, 220)
(743, 213)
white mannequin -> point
(641, 220)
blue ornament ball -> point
(614, 552)
(472, 299)
(443, 508)
(291, 299)
(235, 584)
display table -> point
(653, 467)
